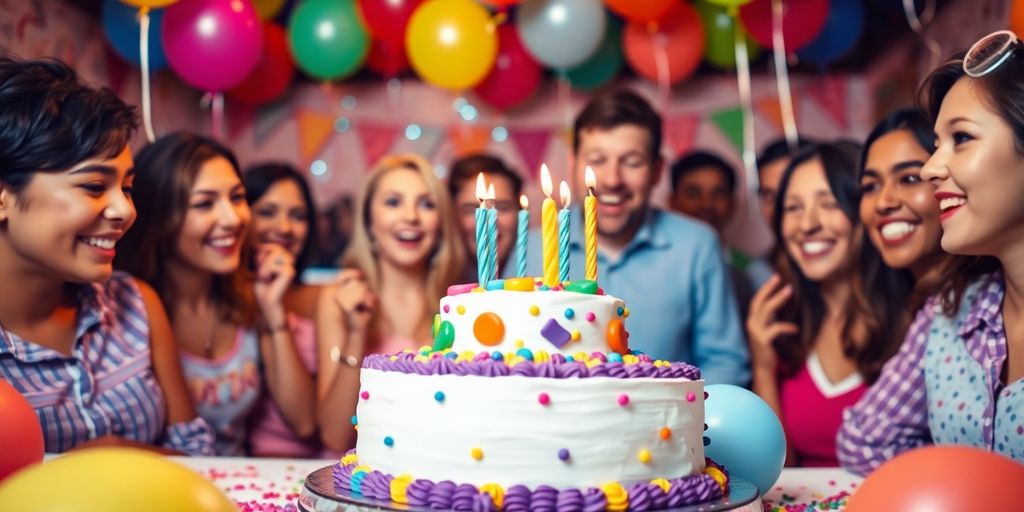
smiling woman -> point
(88, 347)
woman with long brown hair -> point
(405, 251)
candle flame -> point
(481, 187)
(490, 192)
(590, 179)
(524, 201)
(545, 180)
(563, 189)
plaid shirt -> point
(106, 386)
(893, 416)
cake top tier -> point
(522, 313)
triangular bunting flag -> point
(468, 139)
(771, 110)
(268, 119)
(376, 140)
(830, 94)
(314, 129)
(532, 144)
(680, 131)
(730, 122)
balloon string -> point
(662, 67)
(147, 108)
(747, 104)
(217, 109)
(917, 25)
(782, 77)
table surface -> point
(274, 484)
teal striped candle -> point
(563, 234)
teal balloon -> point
(744, 435)
(327, 38)
(604, 65)
(720, 38)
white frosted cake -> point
(530, 399)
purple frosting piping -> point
(570, 500)
(640, 496)
(441, 495)
(555, 368)
(418, 492)
(517, 499)
(544, 499)
(377, 485)
(462, 499)
(594, 500)
(483, 503)
(342, 476)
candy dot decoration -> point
(365, 395)
(519, 284)
(497, 356)
(614, 357)
(616, 336)
(569, 313)
(519, 343)
(574, 335)
(476, 453)
(445, 336)
(534, 310)
(389, 441)
(625, 313)
(563, 455)
(525, 353)
(439, 396)
(446, 308)
(644, 456)
(543, 399)
(690, 396)
(489, 329)
(354, 420)
(620, 311)
(623, 399)
(460, 309)
(591, 316)
(665, 433)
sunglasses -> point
(989, 53)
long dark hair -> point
(259, 178)
(879, 293)
(165, 172)
(1003, 92)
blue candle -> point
(523, 228)
(492, 235)
(563, 234)
(484, 275)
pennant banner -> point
(314, 130)
(730, 122)
(532, 144)
(680, 132)
(376, 140)
(468, 139)
(768, 107)
(830, 94)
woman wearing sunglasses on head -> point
(959, 376)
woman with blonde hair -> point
(405, 251)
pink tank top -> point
(812, 411)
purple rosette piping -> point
(573, 370)
(544, 499)
(484, 503)
(636, 371)
(526, 369)
(569, 500)
(599, 370)
(594, 500)
(342, 477)
(557, 358)
(443, 366)
(377, 485)
(640, 496)
(617, 370)
(441, 495)
(418, 492)
(547, 370)
(694, 489)
(659, 498)
(517, 499)
(462, 498)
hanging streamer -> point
(782, 77)
(217, 109)
(747, 105)
(147, 109)
(917, 24)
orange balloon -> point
(20, 432)
(676, 41)
(1017, 18)
(151, 4)
(942, 479)
(641, 10)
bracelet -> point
(350, 360)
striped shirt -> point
(106, 386)
(943, 386)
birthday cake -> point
(530, 399)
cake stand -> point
(319, 495)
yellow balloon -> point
(111, 480)
(451, 43)
(267, 8)
(152, 4)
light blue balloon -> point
(745, 435)
(121, 26)
(561, 33)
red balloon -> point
(515, 74)
(387, 58)
(20, 433)
(502, 4)
(802, 21)
(678, 41)
(387, 19)
(273, 73)
(942, 479)
(642, 10)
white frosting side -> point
(520, 438)
(520, 325)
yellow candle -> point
(590, 226)
(549, 230)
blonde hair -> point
(447, 259)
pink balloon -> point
(515, 74)
(212, 45)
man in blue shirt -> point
(668, 269)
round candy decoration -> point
(616, 336)
(489, 329)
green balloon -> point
(327, 38)
(604, 64)
(719, 38)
